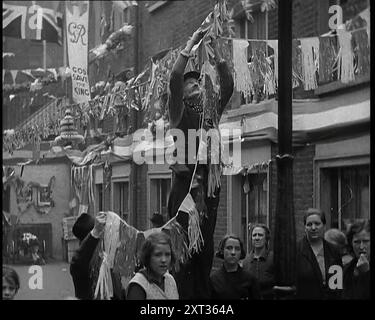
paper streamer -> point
(275, 46)
(14, 75)
(365, 15)
(310, 50)
(346, 70)
(242, 77)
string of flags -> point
(36, 78)
(316, 60)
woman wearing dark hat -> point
(186, 112)
(157, 220)
(231, 281)
(88, 231)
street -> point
(57, 282)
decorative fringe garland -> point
(269, 80)
(214, 175)
(104, 284)
(214, 170)
(83, 183)
(111, 240)
(178, 239)
(210, 115)
(310, 49)
(131, 241)
(211, 72)
(242, 77)
(346, 70)
(362, 52)
(194, 231)
(365, 15)
(111, 236)
(274, 45)
(327, 58)
(121, 247)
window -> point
(345, 194)
(99, 197)
(159, 194)
(254, 202)
(120, 201)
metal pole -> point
(134, 123)
(285, 235)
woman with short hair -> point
(11, 283)
(154, 282)
(231, 281)
(315, 257)
(259, 261)
(357, 272)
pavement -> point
(56, 282)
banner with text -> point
(77, 14)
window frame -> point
(161, 175)
(339, 162)
(234, 200)
(97, 196)
(113, 182)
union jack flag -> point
(35, 20)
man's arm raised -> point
(176, 82)
(225, 78)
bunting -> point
(346, 66)
(123, 243)
(242, 77)
(33, 20)
(310, 50)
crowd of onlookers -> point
(331, 264)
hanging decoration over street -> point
(310, 51)
(242, 78)
(111, 43)
(33, 20)
(343, 56)
(77, 16)
(346, 69)
(122, 247)
(45, 77)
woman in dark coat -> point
(315, 257)
(259, 261)
(357, 272)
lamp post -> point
(285, 234)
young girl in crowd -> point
(11, 283)
(154, 282)
(231, 281)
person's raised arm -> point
(225, 78)
(176, 82)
